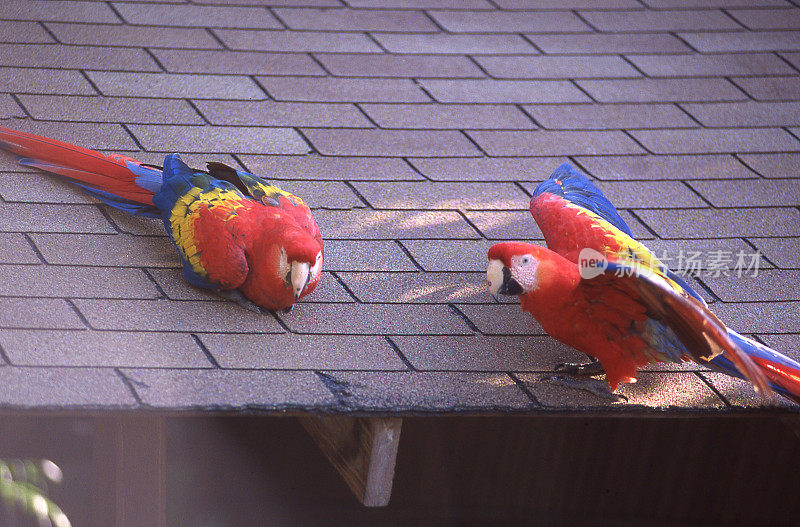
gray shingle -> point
(24, 32)
(76, 282)
(421, 4)
(63, 387)
(556, 67)
(740, 393)
(770, 88)
(505, 22)
(505, 225)
(31, 80)
(236, 62)
(486, 353)
(487, 168)
(69, 11)
(38, 187)
(450, 255)
(229, 390)
(502, 91)
(332, 168)
(119, 250)
(601, 43)
(679, 390)
(38, 313)
(621, 21)
(366, 255)
(418, 287)
(271, 113)
(15, 249)
(557, 143)
(110, 109)
(372, 142)
(173, 315)
(387, 225)
(608, 116)
(750, 193)
(175, 85)
(722, 223)
(286, 40)
(26, 347)
(355, 20)
(375, 319)
(501, 319)
(457, 116)
(713, 42)
(133, 36)
(342, 90)
(445, 195)
(567, 4)
(432, 391)
(704, 141)
(89, 57)
(780, 251)
(661, 90)
(223, 139)
(665, 167)
(384, 65)
(454, 44)
(197, 16)
(748, 113)
(289, 351)
(758, 317)
(714, 65)
(767, 18)
(30, 217)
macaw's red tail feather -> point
(108, 177)
(784, 377)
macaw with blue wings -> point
(235, 233)
(600, 291)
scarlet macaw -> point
(628, 310)
(235, 233)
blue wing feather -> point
(573, 186)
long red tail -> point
(106, 176)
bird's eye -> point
(525, 260)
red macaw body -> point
(233, 231)
(631, 312)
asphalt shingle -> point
(416, 130)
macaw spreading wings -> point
(631, 311)
(233, 230)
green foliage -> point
(23, 483)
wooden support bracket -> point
(362, 449)
(130, 471)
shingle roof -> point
(416, 130)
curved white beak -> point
(494, 275)
(300, 271)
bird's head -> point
(514, 268)
(300, 264)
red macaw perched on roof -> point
(621, 305)
(235, 233)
